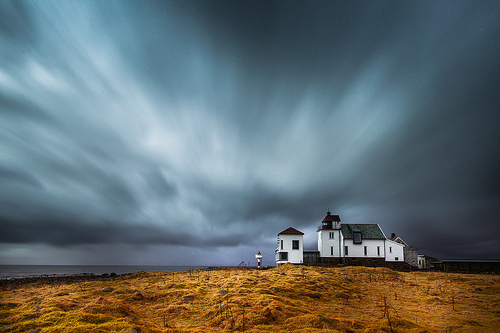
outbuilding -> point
(290, 247)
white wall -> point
(358, 250)
(325, 243)
(294, 256)
(397, 251)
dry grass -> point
(285, 299)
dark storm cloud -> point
(73, 233)
(218, 124)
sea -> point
(19, 271)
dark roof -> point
(291, 231)
(331, 218)
(368, 231)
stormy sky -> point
(192, 132)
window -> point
(295, 245)
(346, 250)
(357, 237)
(397, 258)
(283, 256)
(282, 244)
(331, 250)
(332, 235)
(378, 251)
(390, 249)
(366, 250)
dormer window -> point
(357, 237)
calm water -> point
(12, 271)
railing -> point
(333, 226)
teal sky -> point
(192, 132)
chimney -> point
(393, 235)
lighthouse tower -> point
(258, 256)
(329, 237)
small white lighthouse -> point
(258, 256)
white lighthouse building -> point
(358, 244)
(341, 243)
(329, 237)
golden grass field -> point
(283, 299)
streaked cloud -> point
(216, 125)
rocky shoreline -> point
(69, 278)
(56, 279)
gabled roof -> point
(368, 231)
(291, 231)
(390, 242)
(331, 218)
(398, 239)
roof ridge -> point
(291, 231)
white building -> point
(290, 247)
(410, 253)
(341, 243)
(394, 251)
(426, 262)
(330, 242)
(355, 243)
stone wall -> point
(312, 258)
(400, 266)
(329, 261)
(411, 256)
(368, 262)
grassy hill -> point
(285, 299)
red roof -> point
(291, 231)
(331, 218)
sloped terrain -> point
(284, 299)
